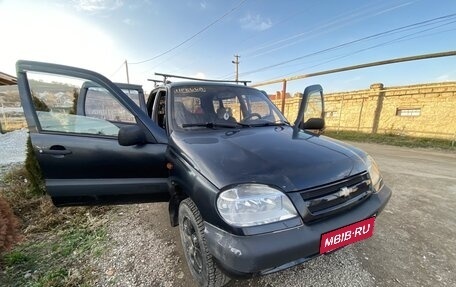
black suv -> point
(251, 193)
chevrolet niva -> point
(251, 193)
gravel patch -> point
(137, 255)
(144, 250)
(341, 268)
(12, 151)
(13, 147)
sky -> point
(199, 38)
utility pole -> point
(236, 67)
(126, 68)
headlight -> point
(254, 204)
(374, 173)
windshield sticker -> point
(189, 90)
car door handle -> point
(56, 150)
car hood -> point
(268, 155)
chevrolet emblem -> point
(346, 191)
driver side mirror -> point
(311, 111)
(131, 135)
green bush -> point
(34, 174)
(74, 108)
(39, 104)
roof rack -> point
(165, 76)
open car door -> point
(114, 154)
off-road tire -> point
(210, 275)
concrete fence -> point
(426, 110)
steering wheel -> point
(251, 116)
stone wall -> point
(427, 110)
(291, 107)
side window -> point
(132, 94)
(55, 98)
(101, 104)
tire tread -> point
(216, 278)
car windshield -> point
(211, 106)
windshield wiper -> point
(211, 125)
(272, 124)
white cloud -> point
(97, 5)
(255, 22)
(203, 5)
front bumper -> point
(242, 256)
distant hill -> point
(53, 87)
(9, 95)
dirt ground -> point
(413, 244)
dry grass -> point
(9, 226)
(57, 241)
(37, 212)
(13, 124)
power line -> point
(361, 66)
(404, 28)
(400, 39)
(396, 40)
(194, 35)
(377, 35)
(340, 21)
(393, 31)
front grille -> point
(325, 201)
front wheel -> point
(199, 260)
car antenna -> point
(166, 76)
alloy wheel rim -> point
(192, 246)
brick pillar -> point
(378, 90)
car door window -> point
(55, 100)
(133, 95)
(101, 104)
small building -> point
(6, 79)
